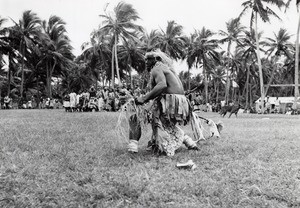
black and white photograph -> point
(149, 104)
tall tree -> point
(120, 24)
(297, 53)
(5, 48)
(56, 47)
(189, 54)
(151, 41)
(231, 35)
(132, 57)
(279, 46)
(172, 41)
(258, 9)
(204, 54)
(247, 48)
(27, 29)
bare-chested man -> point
(170, 107)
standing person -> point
(277, 105)
(72, 101)
(268, 105)
(170, 107)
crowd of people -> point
(102, 99)
(31, 103)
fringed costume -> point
(167, 113)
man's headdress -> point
(165, 59)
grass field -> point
(50, 158)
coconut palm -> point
(278, 46)
(249, 55)
(4, 40)
(26, 30)
(218, 78)
(203, 54)
(258, 9)
(120, 24)
(150, 41)
(56, 48)
(132, 57)
(190, 56)
(297, 53)
(232, 35)
(4, 46)
(172, 41)
(76, 78)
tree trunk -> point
(250, 95)
(48, 81)
(261, 80)
(50, 77)
(247, 86)
(227, 75)
(9, 74)
(271, 79)
(112, 83)
(38, 93)
(217, 98)
(130, 75)
(22, 69)
(116, 60)
(297, 62)
(205, 85)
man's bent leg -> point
(190, 143)
(135, 133)
(170, 139)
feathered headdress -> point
(165, 59)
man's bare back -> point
(174, 85)
(163, 80)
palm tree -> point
(56, 48)
(189, 53)
(297, 54)
(98, 53)
(76, 78)
(26, 31)
(264, 12)
(121, 25)
(219, 77)
(247, 48)
(204, 53)
(172, 42)
(151, 41)
(233, 33)
(5, 48)
(278, 46)
(132, 57)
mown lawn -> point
(50, 158)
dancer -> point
(170, 107)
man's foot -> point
(133, 146)
(190, 143)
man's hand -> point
(139, 101)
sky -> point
(82, 16)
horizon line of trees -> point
(40, 60)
